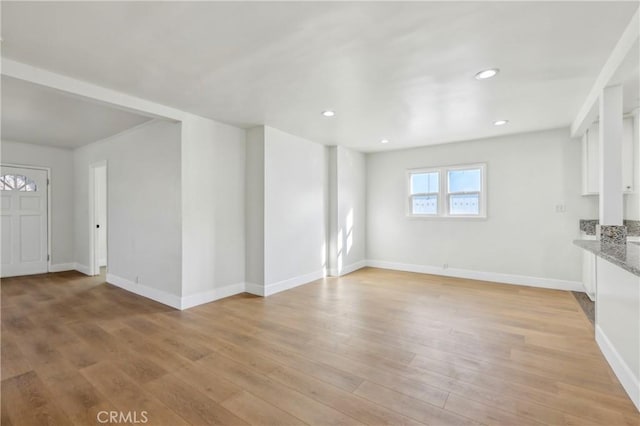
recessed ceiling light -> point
(500, 122)
(328, 113)
(485, 74)
(384, 141)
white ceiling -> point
(43, 116)
(400, 71)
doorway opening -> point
(98, 247)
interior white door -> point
(23, 226)
(100, 210)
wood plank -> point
(281, 396)
(214, 386)
(29, 402)
(359, 408)
(14, 362)
(414, 408)
(127, 397)
(189, 403)
(485, 414)
(256, 411)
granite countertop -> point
(626, 256)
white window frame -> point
(444, 194)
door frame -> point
(94, 269)
(48, 170)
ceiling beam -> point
(588, 112)
(88, 91)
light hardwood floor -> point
(374, 347)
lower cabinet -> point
(589, 276)
(618, 324)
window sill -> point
(445, 218)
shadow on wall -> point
(348, 236)
(323, 256)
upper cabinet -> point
(591, 158)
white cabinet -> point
(617, 325)
(629, 149)
(591, 158)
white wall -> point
(254, 202)
(295, 206)
(213, 222)
(347, 182)
(60, 161)
(144, 213)
(523, 236)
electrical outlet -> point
(561, 208)
(137, 279)
(445, 266)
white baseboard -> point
(629, 382)
(61, 267)
(253, 288)
(348, 269)
(292, 282)
(81, 268)
(551, 283)
(149, 292)
(172, 300)
(211, 295)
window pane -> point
(467, 204)
(424, 204)
(9, 181)
(423, 183)
(465, 180)
(20, 181)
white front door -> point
(23, 226)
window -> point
(453, 191)
(17, 183)
(463, 191)
(424, 193)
